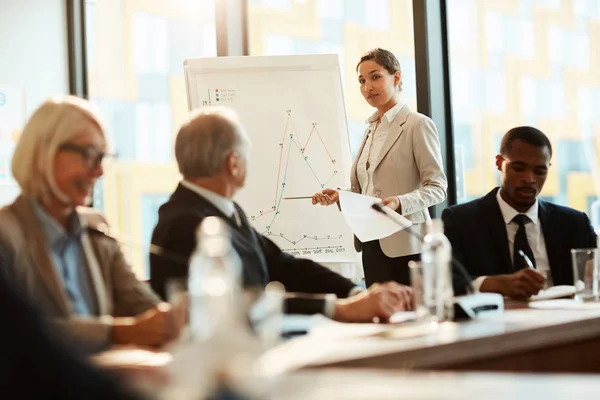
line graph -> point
(299, 144)
(293, 140)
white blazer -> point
(410, 167)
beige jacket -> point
(410, 167)
(118, 292)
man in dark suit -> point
(211, 152)
(488, 235)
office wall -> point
(33, 66)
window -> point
(24, 86)
(345, 27)
(136, 50)
(527, 62)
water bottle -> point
(436, 259)
(214, 282)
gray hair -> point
(56, 121)
(206, 140)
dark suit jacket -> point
(35, 363)
(477, 233)
(262, 260)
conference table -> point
(495, 358)
(522, 339)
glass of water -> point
(585, 274)
(416, 282)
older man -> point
(212, 152)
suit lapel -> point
(394, 133)
(93, 264)
(40, 253)
(353, 173)
(549, 230)
(497, 230)
(248, 236)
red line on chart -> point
(324, 146)
(263, 214)
(308, 140)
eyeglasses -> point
(91, 155)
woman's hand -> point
(391, 202)
(326, 197)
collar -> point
(388, 116)
(224, 204)
(54, 232)
(508, 213)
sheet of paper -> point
(366, 223)
(554, 292)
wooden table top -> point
(382, 385)
(411, 345)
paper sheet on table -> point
(366, 223)
(554, 292)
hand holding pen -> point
(531, 266)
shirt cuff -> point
(477, 282)
(354, 291)
(329, 305)
(401, 205)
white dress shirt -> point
(376, 137)
(535, 237)
(227, 207)
(224, 204)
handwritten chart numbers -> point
(322, 186)
(333, 161)
(288, 112)
(335, 172)
(204, 102)
(340, 250)
(273, 208)
(291, 135)
(314, 124)
(268, 227)
(304, 235)
(283, 184)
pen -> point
(527, 260)
(297, 198)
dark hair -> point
(383, 57)
(527, 134)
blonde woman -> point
(73, 272)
